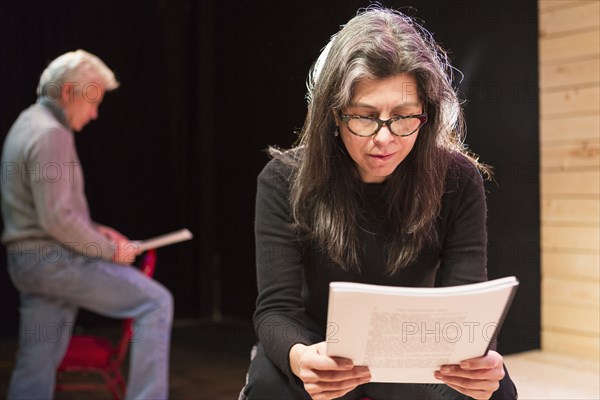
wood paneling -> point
(571, 210)
(571, 266)
(571, 293)
(545, 6)
(570, 175)
(573, 73)
(572, 154)
(570, 101)
(577, 238)
(570, 47)
(561, 183)
(570, 319)
(573, 127)
(586, 346)
(582, 16)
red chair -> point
(97, 355)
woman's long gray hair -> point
(326, 190)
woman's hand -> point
(477, 377)
(325, 377)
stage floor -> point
(209, 361)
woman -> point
(379, 190)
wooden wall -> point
(569, 143)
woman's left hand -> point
(477, 377)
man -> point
(58, 258)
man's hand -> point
(325, 377)
(111, 234)
(125, 252)
(477, 377)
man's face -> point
(81, 106)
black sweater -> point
(293, 280)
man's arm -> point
(59, 199)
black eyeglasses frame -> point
(388, 122)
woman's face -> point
(376, 157)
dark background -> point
(207, 85)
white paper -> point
(165, 240)
(405, 334)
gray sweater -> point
(43, 199)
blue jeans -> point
(53, 283)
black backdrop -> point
(207, 85)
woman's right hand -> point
(325, 377)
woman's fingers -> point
(335, 389)
(326, 377)
(475, 384)
(334, 376)
(476, 394)
(478, 377)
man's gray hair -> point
(79, 68)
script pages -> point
(165, 240)
(405, 334)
